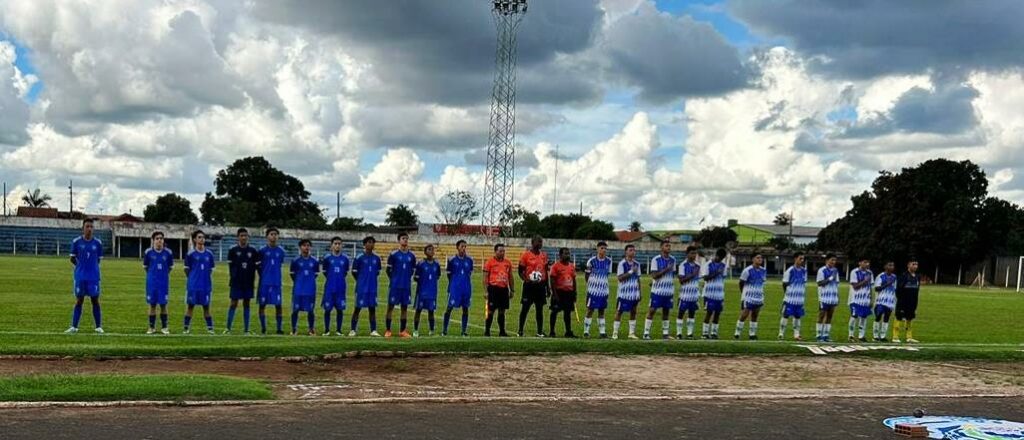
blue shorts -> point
(366, 299)
(823, 306)
(881, 310)
(426, 303)
(713, 305)
(200, 298)
(333, 300)
(156, 297)
(688, 306)
(459, 299)
(270, 295)
(304, 303)
(400, 296)
(87, 288)
(859, 311)
(661, 302)
(627, 305)
(744, 305)
(595, 302)
(241, 293)
(792, 310)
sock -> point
(311, 321)
(188, 322)
(600, 325)
(679, 326)
(896, 330)
(465, 321)
(97, 317)
(689, 326)
(554, 318)
(910, 330)
(632, 326)
(280, 321)
(76, 315)
(862, 327)
(209, 322)
(567, 322)
(327, 320)
(753, 328)
(827, 328)
(373, 324)
(355, 321)
(446, 322)
(820, 328)
(647, 326)
(339, 319)
(245, 319)
(523, 313)
(387, 324)
(615, 327)
(263, 323)
(403, 323)
(231, 317)
(739, 327)
(501, 322)
(152, 321)
(295, 321)
(782, 327)
(875, 327)
(430, 322)
(539, 317)
(705, 329)
(416, 324)
(885, 330)
(714, 329)
(586, 326)
(664, 327)
(163, 320)
(796, 327)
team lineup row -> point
(257, 274)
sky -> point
(678, 114)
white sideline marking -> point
(826, 349)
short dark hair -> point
(305, 241)
(271, 229)
(798, 255)
(369, 239)
(664, 242)
(154, 234)
(829, 256)
(242, 231)
(757, 254)
(601, 243)
(87, 221)
(460, 243)
(721, 253)
(912, 260)
(402, 234)
(536, 238)
(629, 246)
(499, 245)
(429, 246)
(335, 238)
(196, 233)
(863, 259)
(563, 249)
(691, 249)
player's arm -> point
(511, 284)
(823, 281)
(621, 273)
(522, 270)
(574, 279)
(74, 254)
(355, 269)
(145, 262)
(448, 269)
(688, 277)
(188, 267)
(659, 273)
(587, 269)
(744, 276)
(293, 268)
(391, 265)
(486, 271)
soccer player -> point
(689, 293)
(242, 260)
(860, 299)
(599, 269)
(885, 301)
(714, 293)
(533, 270)
(401, 265)
(460, 287)
(270, 260)
(303, 271)
(908, 287)
(752, 285)
(794, 281)
(498, 285)
(335, 266)
(428, 272)
(563, 291)
(663, 288)
(366, 271)
(199, 287)
(157, 262)
(629, 292)
(86, 253)
(828, 297)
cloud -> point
(13, 86)
(524, 157)
(947, 109)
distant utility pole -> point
(554, 193)
(71, 196)
(5, 199)
(337, 209)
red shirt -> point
(498, 272)
(563, 275)
(535, 262)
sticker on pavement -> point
(953, 427)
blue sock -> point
(209, 323)
(447, 320)
(355, 320)
(387, 323)
(327, 320)
(280, 321)
(245, 318)
(96, 315)
(295, 321)
(430, 320)
(341, 316)
(404, 322)
(163, 320)
(231, 317)
(188, 322)
(311, 320)
(76, 315)
(373, 324)
(152, 321)
(263, 323)
(465, 321)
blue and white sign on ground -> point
(953, 427)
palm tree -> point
(36, 199)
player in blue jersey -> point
(157, 262)
(714, 293)
(885, 301)
(401, 265)
(597, 273)
(303, 271)
(460, 287)
(663, 289)
(269, 265)
(689, 293)
(242, 261)
(199, 265)
(86, 253)
(628, 297)
(861, 279)
(428, 272)
(335, 266)
(828, 297)
(366, 271)
(752, 281)
(794, 281)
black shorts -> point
(906, 305)
(534, 293)
(497, 298)
(563, 300)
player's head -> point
(864, 263)
(630, 251)
(198, 238)
(912, 265)
(368, 243)
(428, 250)
(499, 251)
(564, 255)
(758, 259)
(272, 235)
(403, 240)
(691, 253)
(157, 238)
(666, 247)
(536, 242)
(890, 266)
(461, 247)
(830, 260)
(336, 245)
(720, 254)
(243, 236)
(602, 249)
(87, 226)
(304, 246)
(799, 259)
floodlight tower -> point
(500, 174)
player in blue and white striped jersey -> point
(794, 281)
(885, 301)
(629, 292)
(597, 272)
(714, 293)
(663, 288)
(689, 292)
(828, 296)
(861, 279)
(752, 285)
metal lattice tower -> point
(500, 174)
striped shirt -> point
(753, 284)
(887, 296)
(714, 289)
(666, 285)
(690, 290)
(861, 296)
(599, 269)
(829, 293)
(630, 288)
(795, 279)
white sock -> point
(863, 327)
(664, 327)
(782, 327)
(679, 326)
(820, 328)
(600, 325)
(796, 327)
(705, 329)
(875, 326)
(853, 327)
(714, 329)
(647, 327)
(753, 328)
(632, 326)
(689, 326)
(739, 327)
(586, 325)
(615, 327)
(827, 328)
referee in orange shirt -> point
(534, 264)
(498, 285)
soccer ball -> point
(536, 276)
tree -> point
(781, 242)
(783, 219)
(716, 236)
(251, 191)
(170, 208)
(596, 230)
(563, 225)
(36, 199)
(521, 222)
(402, 215)
(456, 209)
(348, 224)
(635, 226)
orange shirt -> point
(563, 275)
(535, 262)
(498, 272)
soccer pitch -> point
(36, 303)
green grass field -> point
(35, 307)
(172, 387)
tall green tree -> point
(716, 236)
(456, 209)
(635, 226)
(170, 208)
(36, 199)
(402, 215)
(251, 191)
(521, 222)
(783, 219)
(595, 230)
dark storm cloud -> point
(946, 110)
